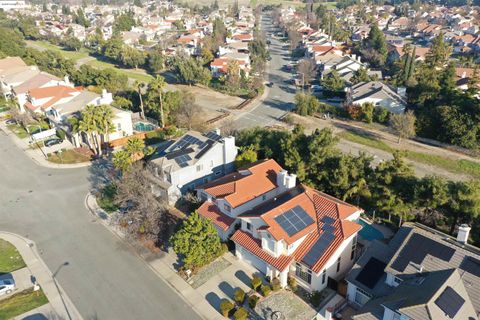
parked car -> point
(316, 88)
(6, 286)
(11, 121)
(52, 142)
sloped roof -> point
(9, 63)
(39, 80)
(54, 93)
(211, 212)
(248, 183)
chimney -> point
(104, 93)
(281, 178)
(463, 232)
(66, 80)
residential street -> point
(104, 278)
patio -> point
(286, 304)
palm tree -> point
(104, 115)
(139, 85)
(159, 84)
(97, 123)
(88, 124)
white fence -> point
(44, 134)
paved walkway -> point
(36, 154)
(59, 301)
(205, 300)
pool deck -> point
(386, 231)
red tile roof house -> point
(219, 66)
(285, 229)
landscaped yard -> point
(10, 259)
(68, 156)
(457, 166)
(21, 302)
(287, 303)
(18, 130)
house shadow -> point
(214, 300)
(242, 276)
(227, 289)
(101, 173)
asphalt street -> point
(104, 278)
(280, 96)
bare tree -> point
(188, 113)
(228, 127)
(307, 70)
(403, 124)
(295, 37)
(142, 213)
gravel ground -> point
(208, 272)
(290, 306)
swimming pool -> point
(368, 232)
(143, 127)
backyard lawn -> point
(10, 259)
(67, 157)
(21, 302)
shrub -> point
(276, 284)
(61, 134)
(106, 198)
(225, 307)
(240, 314)
(239, 296)
(266, 290)
(292, 283)
(153, 137)
(256, 282)
(252, 300)
(316, 298)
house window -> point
(199, 167)
(354, 248)
(249, 226)
(338, 264)
(362, 297)
(397, 280)
(303, 273)
(227, 207)
(324, 275)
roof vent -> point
(463, 232)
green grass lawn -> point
(456, 166)
(21, 302)
(68, 157)
(18, 130)
(73, 55)
(131, 73)
(10, 258)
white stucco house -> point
(192, 160)
(285, 229)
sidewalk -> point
(163, 267)
(58, 299)
(35, 154)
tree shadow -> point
(101, 173)
(214, 300)
(227, 288)
(242, 276)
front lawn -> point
(10, 258)
(68, 157)
(19, 130)
(21, 302)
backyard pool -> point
(368, 232)
(143, 126)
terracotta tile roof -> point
(54, 93)
(240, 187)
(253, 245)
(242, 36)
(317, 205)
(211, 212)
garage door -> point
(253, 260)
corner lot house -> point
(286, 229)
(190, 161)
(421, 274)
(377, 93)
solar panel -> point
(318, 249)
(371, 273)
(450, 302)
(208, 145)
(212, 135)
(328, 228)
(416, 249)
(294, 220)
(327, 219)
(182, 160)
(175, 154)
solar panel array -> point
(182, 160)
(371, 273)
(450, 302)
(294, 220)
(212, 135)
(322, 243)
(189, 140)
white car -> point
(6, 286)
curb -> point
(108, 227)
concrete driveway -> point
(105, 279)
(23, 280)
